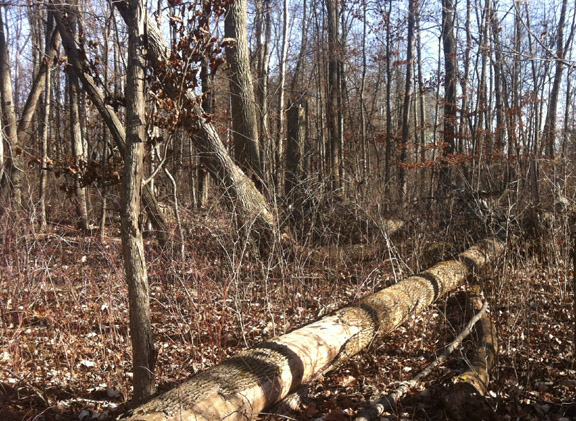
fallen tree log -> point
(465, 399)
(242, 386)
(388, 402)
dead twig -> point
(385, 403)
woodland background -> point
(294, 157)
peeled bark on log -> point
(242, 386)
(465, 398)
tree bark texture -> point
(333, 100)
(408, 84)
(244, 120)
(78, 152)
(294, 153)
(38, 87)
(450, 83)
(45, 122)
(242, 386)
(549, 134)
(14, 161)
(143, 352)
(263, 28)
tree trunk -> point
(14, 161)
(451, 80)
(143, 352)
(549, 132)
(38, 86)
(412, 5)
(332, 105)
(108, 114)
(263, 32)
(78, 152)
(242, 386)
(244, 122)
(293, 188)
(388, 147)
(45, 127)
(282, 100)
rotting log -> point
(465, 399)
(242, 386)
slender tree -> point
(14, 158)
(333, 148)
(408, 86)
(78, 150)
(450, 82)
(46, 127)
(549, 132)
(143, 352)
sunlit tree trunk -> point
(388, 147)
(408, 85)
(252, 209)
(294, 177)
(14, 158)
(450, 82)
(45, 128)
(78, 152)
(244, 122)
(282, 99)
(361, 99)
(143, 352)
(549, 132)
(108, 114)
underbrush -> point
(64, 319)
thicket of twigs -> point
(64, 322)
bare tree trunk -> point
(14, 161)
(333, 144)
(412, 6)
(282, 100)
(361, 99)
(78, 152)
(388, 147)
(451, 80)
(242, 386)
(263, 33)
(45, 128)
(294, 178)
(549, 132)
(143, 352)
(38, 86)
(244, 122)
(107, 112)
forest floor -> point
(65, 350)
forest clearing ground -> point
(66, 350)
